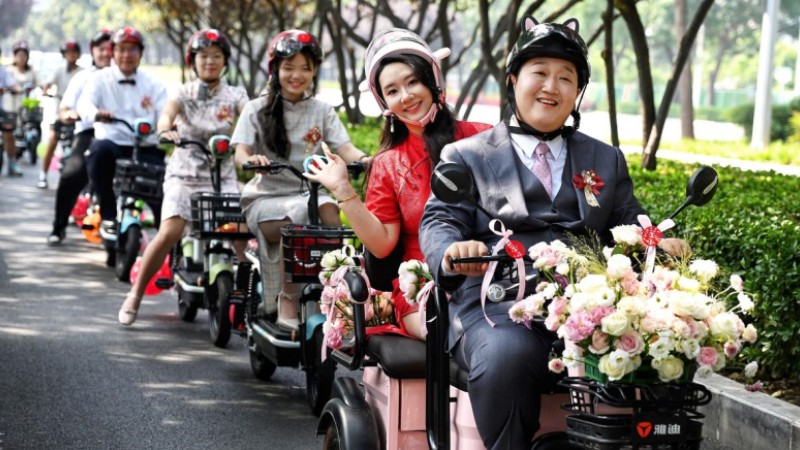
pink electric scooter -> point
(415, 397)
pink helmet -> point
(397, 41)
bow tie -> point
(130, 81)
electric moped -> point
(202, 263)
(30, 117)
(401, 375)
(137, 184)
(270, 343)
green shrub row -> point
(782, 128)
(752, 227)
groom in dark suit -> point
(523, 173)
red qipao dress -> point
(398, 188)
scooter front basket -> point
(217, 216)
(139, 179)
(304, 246)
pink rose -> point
(333, 337)
(556, 365)
(630, 285)
(552, 322)
(557, 307)
(707, 357)
(630, 342)
(599, 343)
(732, 348)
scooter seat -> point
(401, 357)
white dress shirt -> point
(525, 144)
(73, 93)
(143, 100)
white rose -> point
(550, 291)
(745, 302)
(569, 291)
(615, 364)
(703, 372)
(721, 362)
(329, 261)
(536, 250)
(725, 326)
(688, 284)
(627, 234)
(660, 348)
(751, 369)
(604, 297)
(579, 302)
(688, 305)
(669, 368)
(563, 269)
(608, 252)
(632, 306)
(615, 324)
(592, 283)
(619, 266)
(750, 335)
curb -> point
(739, 419)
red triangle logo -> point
(644, 429)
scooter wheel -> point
(219, 322)
(262, 367)
(319, 374)
(127, 251)
(331, 441)
(187, 305)
(554, 441)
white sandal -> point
(128, 316)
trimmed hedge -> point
(751, 227)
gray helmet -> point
(550, 40)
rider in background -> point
(23, 74)
(74, 176)
(71, 51)
(287, 125)
(8, 83)
(121, 91)
(406, 80)
(200, 109)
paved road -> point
(72, 378)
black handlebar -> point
(355, 169)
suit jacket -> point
(493, 162)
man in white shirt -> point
(74, 176)
(8, 123)
(122, 92)
(71, 51)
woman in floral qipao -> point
(287, 125)
(201, 109)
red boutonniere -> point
(313, 136)
(591, 184)
(147, 103)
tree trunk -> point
(608, 56)
(627, 9)
(649, 155)
(685, 82)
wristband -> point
(347, 199)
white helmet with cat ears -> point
(393, 42)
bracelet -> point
(347, 199)
(361, 158)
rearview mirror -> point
(452, 183)
(700, 189)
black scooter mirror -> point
(452, 183)
(700, 189)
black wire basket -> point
(304, 246)
(139, 179)
(618, 416)
(8, 120)
(218, 216)
(34, 115)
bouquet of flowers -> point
(416, 282)
(337, 305)
(671, 318)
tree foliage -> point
(15, 12)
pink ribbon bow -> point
(651, 236)
(487, 278)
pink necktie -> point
(542, 169)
